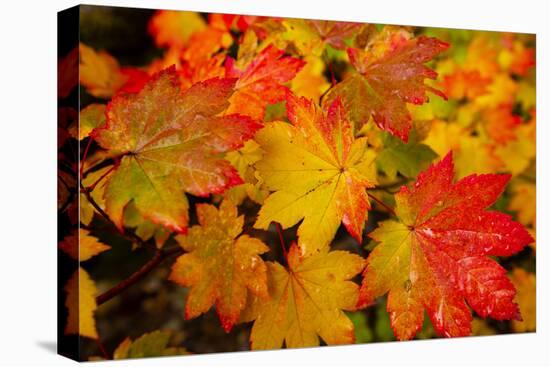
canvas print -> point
(245, 182)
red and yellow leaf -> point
(526, 285)
(386, 82)
(81, 292)
(82, 246)
(220, 266)
(170, 143)
(306, 301)
(317, 171)
(435, 258)
(174, 28)
(261, 82)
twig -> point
(102, 349)
(380, 202)
(90, 139)
(281, 239)
(130, 235)
(391, 185)
(156, 260)
(92, 186)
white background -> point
(28, 182)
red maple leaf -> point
(436, 257)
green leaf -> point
(406, 158)
(363, 333)
(154, 344)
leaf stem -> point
(92, 186)
(381, 203)
(102, 349)
(157, 259)
(130, 235)
(90, 139)
(281, 239)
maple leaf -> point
(154, 344)
(102, 76)
(310, 37)
(81, 292)
(407, 158)
(501, 123)
(465, 84)
(306, 301)
(82, 246)
(310, 82)
(260, 83)
(91, 117)
(384, 84)
(435, 257)
(80, 288)
(220, 266)
(205, 43)
(526, 285)
(319, 173)
(174, 28)
(243, 160)
(171, 142)
(523, 202)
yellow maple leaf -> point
(219, 267)
(174, 28)
(100, 72)
(82, 246)
(518, 153)
(523, 201)
(526, 286)
(310, 82)
(306, 301)
(81, 303)
(318, 171)
(243, 160)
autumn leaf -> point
(102, 76)
(526, 285)
(97, 179)
(306, 301)
(220, 266)
(310, 82)
(205, 43)
(82, 246)
(154, 344)
(91, 117)
(310, 37)
(81, 292)
(384, 84)
(143, 228)
(174, 28)
(518, 153)
(243, 160)
(523, 202)
(318, 171)
(406, 158)
(500, 123)
(436, 256)
(261, 82)
(170, 143)
(465, 84)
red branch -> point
(156, 260)
(381, 203)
